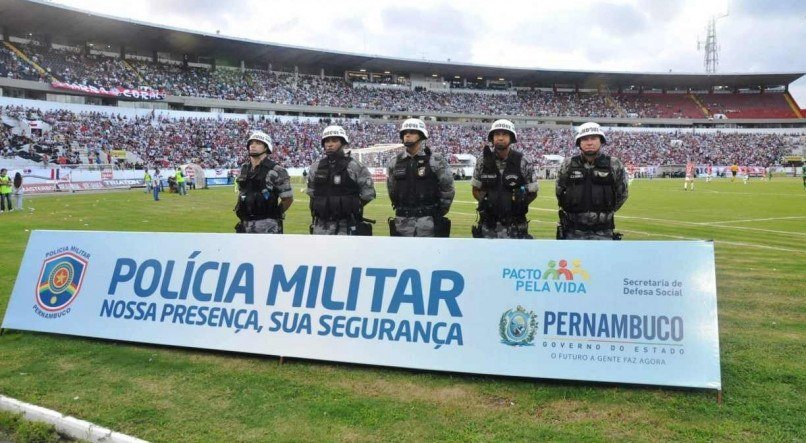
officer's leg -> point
(341, 227)
(249, 226)
(320, 228)
(491, 231)
(424, 226)
(257, 226)
(574, 234)
(405, 226)
(326, 228)
(272, 226)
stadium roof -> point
(73, 26)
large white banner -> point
(629, 312)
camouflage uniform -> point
(263, 226)
(592, 218)
(361, 176)
(422, 226)
(278, 185)
(529, 174)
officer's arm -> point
(310, 177)
(286, 202)
(562, 180)
(390, 180)
(446, 188)
(281, 182)
(620, 177)
(362, 176)
(532, 185)
(477, 194)
(475, 181)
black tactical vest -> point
(335, 194)
(505, 192)
(416, 185)
(590, 189)
(256, 200)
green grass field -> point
(171, 394)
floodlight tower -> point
(710, 46)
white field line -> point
(751, 220)
(678, 222)
(713, 224)
(711, 191)
(732, 243)
(741, 228)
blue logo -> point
(517, 327)
(60, 281)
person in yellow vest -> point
(180, 181)
(734, 169)
(5, 190)
(147, 180)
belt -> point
(416, 212)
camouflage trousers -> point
(575, 234)
(415, 226)
(334, 227)
(264, 226)
(517, 230)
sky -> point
(609, 35)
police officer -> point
(591, 187)
(264, 189)
(504, 183)
(339, 187)
(420, 185)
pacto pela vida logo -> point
(555, 278)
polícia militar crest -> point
(60, 281)
(518, 327)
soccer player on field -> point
(690, 171)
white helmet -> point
(589, 128)
(261, 137)
(503, 125)
(335, 131)
(414, 124)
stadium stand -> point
(748, 105)
(75, 66)
(656, 105)
(11, 66)
(214, 143)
